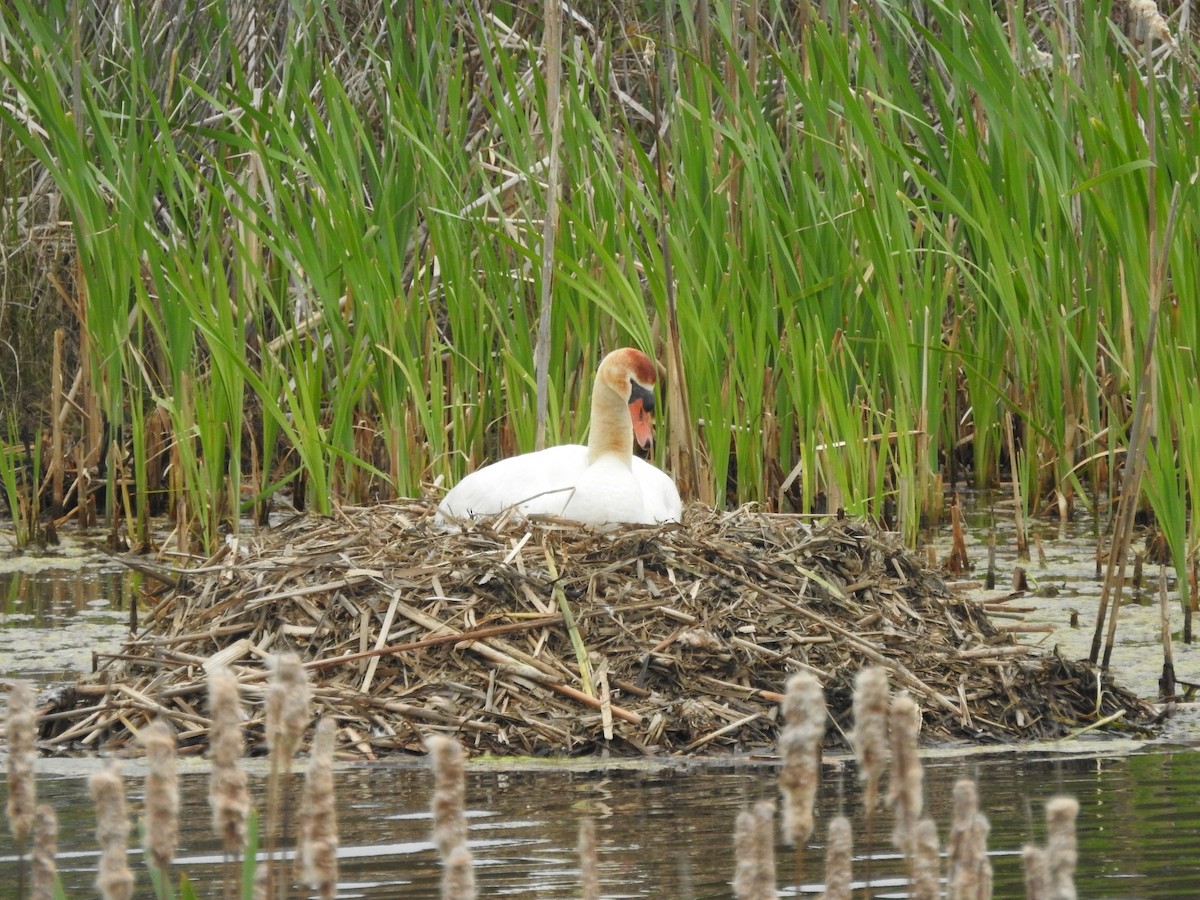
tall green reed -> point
(885, 241)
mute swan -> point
(600, 484)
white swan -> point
(601, 484)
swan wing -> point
(660, 496)
(540, 483)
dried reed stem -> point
(906, 782)
(162, 795)
(589, 863)
(318, 834)
(449, 821)
(1037, 876)
(800, 748)
(1061, 849)
(21, 731)
(114, 881)
(227, 794)
(42, 855)
(839, 856)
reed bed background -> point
(299, 246)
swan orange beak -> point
(643, 423)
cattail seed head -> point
(839, 856)
(449, 818)
(1061, 848)
(754, 843)
(800, 750)
(114, 881)
(871, 731)
(44, 867)
(906, 783)
(162, 795)
(227, 794)
(318, 834)
(288, 707)
(21, 730)
(1037, 878)
(927, 866)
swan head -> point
(630, 374)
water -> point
(666, 830)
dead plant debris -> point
(535, 638)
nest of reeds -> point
(537, 638)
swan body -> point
(602, 484)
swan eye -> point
(638, 392)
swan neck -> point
(611, 430)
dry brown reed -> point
(21, 730)
(839, 858)
(1037, 877)
(43, 853)
(1061, 848)
(589, 862)
(227, 794)
(162, 795)
(754, 843)
(926, 864)
(114, 880)
(906, 781)
(800, 750)
(449, 820)
(318, 831)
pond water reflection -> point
(668, 832)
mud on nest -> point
(535, 638)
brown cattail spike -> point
(839, 855)
(44, 870)
(227, 794)
(449, 819)
(114, 881)
(906, 784)
(162, 795)
(1061, 848)
(21, 729)
(318, 837)
(800, 750)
